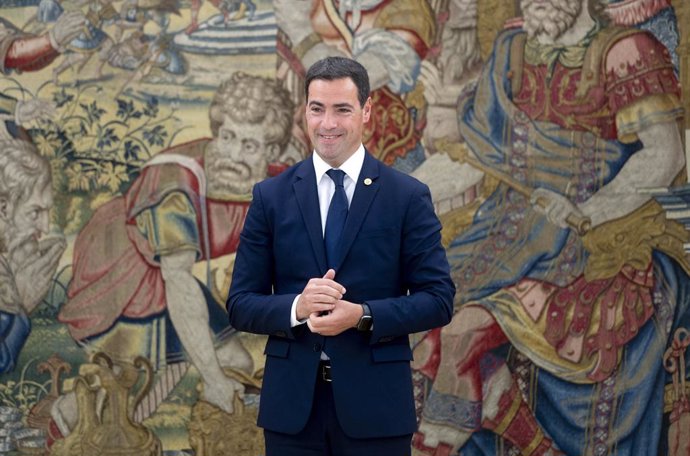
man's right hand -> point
(320, 295)
(34, 272)
(555, 206)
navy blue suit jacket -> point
(391, 258)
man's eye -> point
(250, 146)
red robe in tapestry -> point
(116, 273)
(23, 52)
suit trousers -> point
(323, 436)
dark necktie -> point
(335, 220)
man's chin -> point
(547, 28)
(230, 182)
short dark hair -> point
(332, 68)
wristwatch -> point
(366, 320)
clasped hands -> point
(322, 304)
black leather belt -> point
(325, 371)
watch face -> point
(364, 323)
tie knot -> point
(337, 176)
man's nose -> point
(234, 150)
(43, 223)
(329, 120)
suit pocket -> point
(277, 347)
(387, 353)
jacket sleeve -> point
(251, 304)
(429, 300)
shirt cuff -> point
(293, 314)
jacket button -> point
(280, 333)
(317, 347)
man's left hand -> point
(345, 315)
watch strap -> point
(366, 320)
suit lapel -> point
(308, 202)
(366, 189)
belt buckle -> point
(326, 373)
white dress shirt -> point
(326, 188)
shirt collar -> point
(352, 166)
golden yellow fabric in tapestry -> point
(170, 226)
(654, 109)
(631, 239)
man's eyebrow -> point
(36, 207)
(336, 105)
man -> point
(338, 298)
(586, 115)
(133, 260)
(28, 260)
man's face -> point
(335, 119)
(237, 158)
(550, 17)
(30, 219)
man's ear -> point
(366, 110)
(276, 160)
(273, 152)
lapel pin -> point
(367, 181)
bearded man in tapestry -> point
(567, 296)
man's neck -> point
(579, 30)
